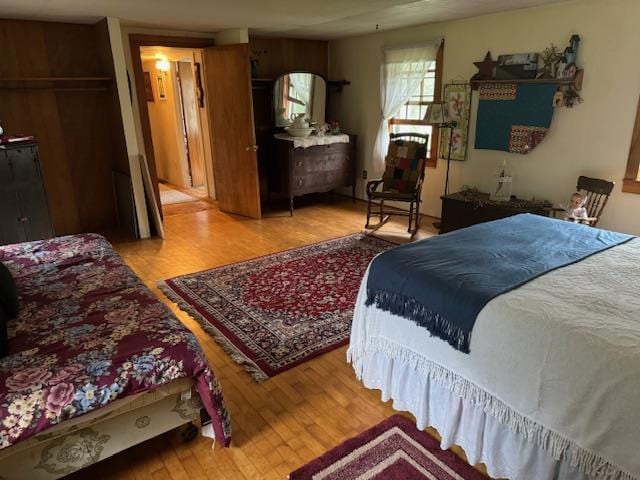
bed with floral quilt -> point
(96, 362)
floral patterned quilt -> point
(89, 332)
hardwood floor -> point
(290, 419)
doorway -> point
(227, 116)
(178, 124)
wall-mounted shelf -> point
(55, 84)
(338, 84)
(575, 82)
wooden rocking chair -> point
(402, 180)
(598, 192)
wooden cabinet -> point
(321, 168)
(24, 211)
(463, 209)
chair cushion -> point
(8, 293)
(404, 164)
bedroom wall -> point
(591, 139)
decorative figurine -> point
(575, 211)
(558, 98)
(575, 42)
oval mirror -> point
(299, 92)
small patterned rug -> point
(392, 450)
(275, 312)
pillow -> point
(8, 293)
(4, 341)
(403, 165)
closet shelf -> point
(55, 79)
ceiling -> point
(323, 19)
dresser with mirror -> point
(305, 158)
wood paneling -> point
(72, 114)
(276, 56)
(233, 142)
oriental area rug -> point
(392, 450)
(275, 312)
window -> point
(292, 103)
(411, 114)
(631, 182)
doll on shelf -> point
(575, 211)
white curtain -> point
(302, 82)
(401, 73)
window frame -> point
(432, 160)
(631, 182)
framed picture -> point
(458, 97)
(162, 93)
(148, 88)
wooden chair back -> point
(416, 137)
(598, 192)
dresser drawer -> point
(320, 158)
(320, 181)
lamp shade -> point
(437, 113)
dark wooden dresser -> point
(463, 209)
(320, 168)
(24, 211)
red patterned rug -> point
(392, 450)
(274, 312)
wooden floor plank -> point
(288, 420)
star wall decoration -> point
(485, 68)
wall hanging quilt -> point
(458, 96)
(513, 117)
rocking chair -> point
(598, 192)
(402, 180)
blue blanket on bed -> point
(442, 283)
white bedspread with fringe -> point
(557, 361)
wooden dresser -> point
(320, 168)
(24, 211)
(463, 209)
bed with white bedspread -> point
(551, 385)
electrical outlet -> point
(364, 174)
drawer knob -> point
(298, 163)
(23, 219)
(300, 182)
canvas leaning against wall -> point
(458, 98)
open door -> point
(227, 77)
(191, 117)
